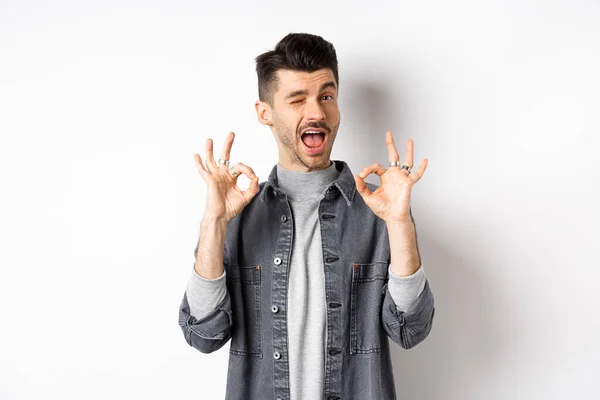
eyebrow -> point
(330, 84)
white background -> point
(102, 105)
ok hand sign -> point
(391, 200)
(225, 199)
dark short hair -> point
(296, 51)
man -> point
(307, 277)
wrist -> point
(209, 220)
(399, 221)
(399, 225)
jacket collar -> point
(345, 183)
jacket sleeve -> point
(408, 328)
(209, 333)
(213, 330)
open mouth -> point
(314, 140)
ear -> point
(263, 112)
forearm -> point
(205, 312)
(404, 255)
(209, 258)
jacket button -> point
(275, 309)
(277, 260)
(283, 218)
(276, 355)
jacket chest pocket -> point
(368, 281)
(244, 289)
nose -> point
(314, 110)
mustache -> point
(320, 125)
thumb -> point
(253, 189)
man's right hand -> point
(225, 199)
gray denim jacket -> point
(361, 314)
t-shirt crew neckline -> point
(306, 185)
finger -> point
(372, 169)
(361, 186)
(252, 190)
(410, 153)
(391, 145)
(254, 187)
(200, 166)
(234, 173)
(244, 169)
(416, 175)
(210, 159)
(226, 150)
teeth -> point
(311, 132)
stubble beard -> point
(290, 139)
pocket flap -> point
(370, 271)
(244, 273)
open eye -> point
(327, 97)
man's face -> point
(305, 118)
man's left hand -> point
(391, 200)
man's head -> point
(298, 89)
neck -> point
(299, 167)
